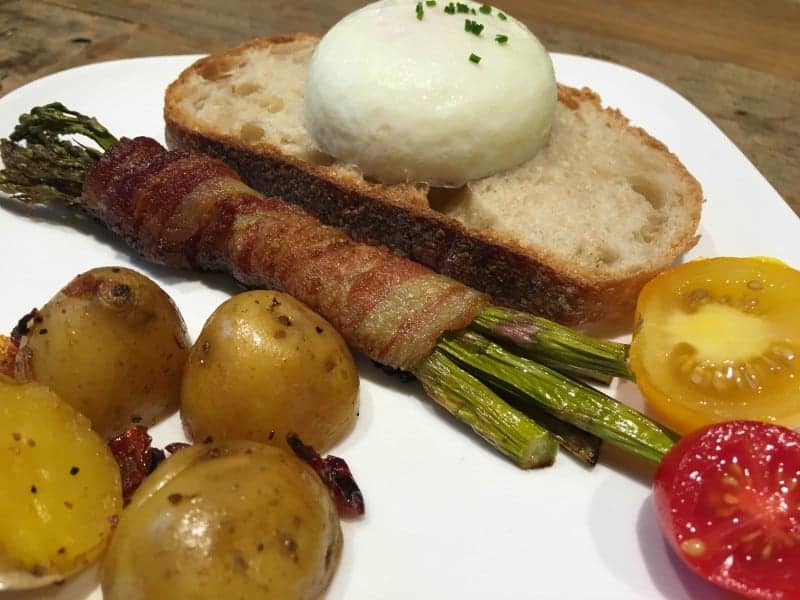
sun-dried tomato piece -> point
(10, 349)
(135, 457)
(335, 474)
(8, 352)
(21, 328)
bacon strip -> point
(189, 210)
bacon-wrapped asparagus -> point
(188, 210)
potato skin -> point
(265, 365)
(61, 488)
(113, 345)
(225, 520)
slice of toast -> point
(572, 234)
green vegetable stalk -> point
(48, 168)
(554, 345)
(575, 403)
(471, 402)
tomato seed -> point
(719, 381)
(766, 552)
(698, 376)
(696, 297)
(750, 537)
(687, 364)
(751, 376)
(750, 305)
(785, 352)
(735, 470)
(772, 364)
(694, 547)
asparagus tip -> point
(42, 167)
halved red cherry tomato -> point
(728, 501)
(719, 339)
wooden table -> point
(737, 60)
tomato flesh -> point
(719, 339)
(728, 501)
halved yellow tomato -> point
(719, 339)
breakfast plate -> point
(446, 516)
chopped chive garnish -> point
(462, 8)
(500, 38)
(501, 16)
(474, 58)
(473, 27)
(472, 11)
(430, 2)
(420, 11)
(485, 9)
(450, 9)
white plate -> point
(446, 516)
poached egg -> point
(440, 94)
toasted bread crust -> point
(514, 276)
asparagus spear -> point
(581, 444)
(469, 400)
(45, 123)
(554, 345)
(565, 399)
(49, 168)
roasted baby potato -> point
(225, 520)
(266, 365)
(112, 344)
(61, 488)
